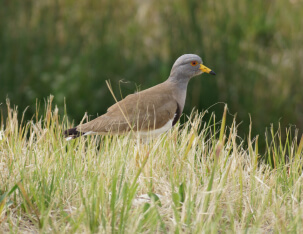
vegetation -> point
(69, 48)
(204, 175)
(199, 177)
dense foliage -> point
(197, 178)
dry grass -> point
(199, 177)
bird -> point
(150, 112)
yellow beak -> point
(206, 69)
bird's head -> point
(188, 66)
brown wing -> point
(140, 111)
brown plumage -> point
(156, 108)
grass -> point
(199, 177)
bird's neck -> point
(179, 80)
(179, 90)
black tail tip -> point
(72, 133)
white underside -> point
(155, 132)
(141, 134)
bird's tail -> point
(72, 133)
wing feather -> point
(141, 111)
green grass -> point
(199, 177)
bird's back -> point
(141, 111)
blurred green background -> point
(69, 48)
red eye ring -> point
(194, 63)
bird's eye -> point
(194, 63)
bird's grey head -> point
(186, 67)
